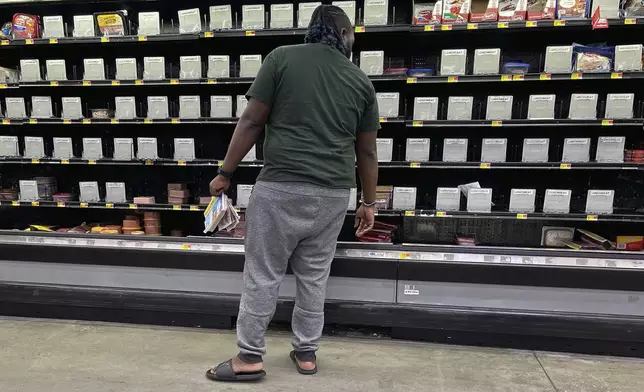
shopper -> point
(320, 113)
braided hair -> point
(326, 25)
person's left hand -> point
(218, 185)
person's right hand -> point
(365, 217)
(218, 185)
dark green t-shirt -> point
(318, 101)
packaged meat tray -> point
(25, 26)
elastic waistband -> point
(304, 189)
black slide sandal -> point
(224, 372)
(300, 370)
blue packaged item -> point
(515, 68)
(417, 72)
(592, 58)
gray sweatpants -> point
(294, 223)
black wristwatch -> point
(224, 173)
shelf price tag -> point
(360, 29)
(114, 121)
(147, 121)
(404, 255)
(133, 207)
(53, 41)
(15, 203)
(607, 123)
(64, 161)
(592, 218)
(181, 163)
(3, 86)
(60, 204)
(630, 21)
(250, 33)
(452, 79)
(560, 23)
(29, 42)
(426, 28)
(616, 75)
(576, 76)
(116, 82)
(517, 78)
(35, 161)
(506, 78)
(174, 81)
(87, 121)
(485, 165)
(545, 77)
(138, 82)
(6, 122)
(502, 25)
(412, 80)
(109, 205)
(91, 162)
(105, 39)
(148, 162)
(220, 163)
(35, 204)
(531, 23)
(4, 42)
(472, 26)
(382, 119)
(497, 123)
(414, 164)
(175, 121)
(446, 28)
(416, 123)
(84, 205)
(186, 246)
(87, 83)
(410, 213)
(212, 81)
(441, 214)
(53, 84)
(143, 38)
(194, 208)
(522, 216)
(565, 166)
(176, 208)
(67, 122)
(33, 121)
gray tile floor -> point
(37, 355)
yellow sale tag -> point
(410, 213)
(592, 218)
(576, 76)
(607, 123)
(142, 38)
(6, 122)
(531, 23)
(174, 81)
(522, 216)
(148, 162)
(441, 214)
(446, 27)
(3, 86)
(109, 205)
(138, 83)
(497, 123)
(33, 121)
(181, 163)
(67, 122)
(565, 166)
(411, 80)
(472, 26)
(506, 78)
(35, 204)
(452, 79)
(132, 206)
(176, 208)
(426, 28)
(64, 161)
(630, 21)
(175, 121)
(382, 119)
(485, 166)
(250, 33)
(560, 23)
(87, 83)
(114, 121)
(84, 205)
(503, 25)
(404, 255)
(360, 29)
(186, 246)
(15, 203)
(87, 121)
(545, 77)
(116, 82)
(4, 42)
(209, 34)
(147, 121)
(416, 123)
(53, 41)
(35, 161)
(60, 204)
(53, 84)
(91, 162)
(194, 208)
(212, 81)
(414, 164)
(105, 39)
(29, 42)
(616, 75)
(517, 77)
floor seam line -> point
(545, 372)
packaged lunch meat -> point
(572, 9)
(112, 23)
(26, 26)
(632, 8)
(428, 13)
(512, 9)
(456, 11)
(541, 9)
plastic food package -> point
(221, 17)
(102, 113)
(281, 16)
(30, 70)
(541, 9)
(253, 17)
(189, 21)
(572, 9)
(25, 26)
(632, 8)
(56, 70)
(112, 23)
(512, 10)
(84, 26)
(149, 23)
(305, 11)
(41, 107)
(593, 59)
(428, 13)
(53, 27)
(376, 12)
(484, 10)
(516, 68)
(220, 215)
(349, 8)
(456, 11)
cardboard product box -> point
(479, 200)
(125, 108)
(123, 149)
(94, 69)
(572, 9)
(349, 8)
(72, 108)
(15, 108)
(484, 10)
(30, 70)
(453, 62)
(89, 192)
(558, 59)
(619, 106)
(460, 108)
(541, 107)
(253, 17)
(487, 61)
(510, 10)
(63, 148)
(115, 192)
(417, 150)
(628, 57)
(218, 66)
(56, 69)
(388, 104)
(429, 13)
(149, 23)
(494, 150)
(448, 199)
(456, 11)
(184, 149)
(522, 200)
(242, 101)
(425, 108)
(576, 150)
(610, 149)
(9, 146)
(499, 107)
(385, 147)
(557, 201)
(243, 195)
(158, 108)
(249, 65)
(221, 17)
(600, 201)
(221, 106)
(404, 198)
(154, 68)
(34, 147)
(372, 62)
(147, 148)
(282, 16)
(455, 150)
(126, 69)
(53, 27)
(376, 12)
(542, 9)
(535, 150)
(305, 12)
(189, 21)
(84, 26)
(583, 107)
(190, 67)
(630, 242)
(41, 107)
(189, 107)
(608, 8)
(92, 148)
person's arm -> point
(250, 126)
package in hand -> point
(220, 215)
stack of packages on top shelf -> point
(381, 232)
(220, 215)
(178, 194)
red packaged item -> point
(25, 26)
(541, 9)
(484, 10)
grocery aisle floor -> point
(61, 356)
